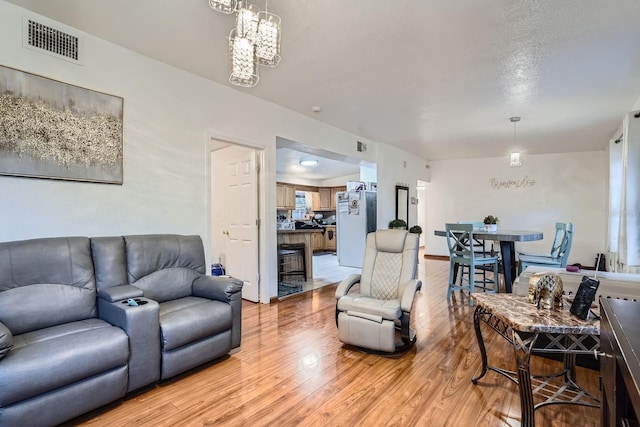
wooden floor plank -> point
(293, 371)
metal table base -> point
(558, 388)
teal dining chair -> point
(461, 253)
(559, 254)
(480, 249)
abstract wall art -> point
(51, 129)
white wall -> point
(169, 117)
(422, 210)
(636, 106)
(163, 188)
(340, 181)
(333, 182)
(294, 179)
(397, 166)
(569, 187)
(369, 173)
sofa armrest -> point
(344, 286)
(217, 288)
(225, 289)
(409, 293)
(119, 293)
(142, 324)
(6, 340)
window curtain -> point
(624, 199)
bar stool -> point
(292, 260)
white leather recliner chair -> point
(370, 317)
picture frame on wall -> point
(56, 130)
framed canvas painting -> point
(50, 129)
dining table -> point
(507, 239)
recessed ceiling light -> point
(308, 162)
(316, 109)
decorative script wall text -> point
(498, 184)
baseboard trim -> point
(437, 257)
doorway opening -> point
(421, 201)
(308, 216)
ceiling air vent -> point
(46, 39)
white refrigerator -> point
(355, 218)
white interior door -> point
(235, 218)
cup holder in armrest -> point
(137, 300)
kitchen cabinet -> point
(285, 196)
(325, 198)
(317, 242)
(330, 238)
(315, 201)
(321, 200)
(335, 190)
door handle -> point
(225, 232)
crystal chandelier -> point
(247, 21)
(224, 6)
(243, 63)
(254, 40)
(268, 39)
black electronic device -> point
(584, 297)
(581, 305)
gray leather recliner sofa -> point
(199, 315)
(57, 351)
(70, 343)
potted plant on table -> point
(416, 229)
(491, 223)
(398, 224)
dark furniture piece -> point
(507, 240)
(522, 325)
(199, 316)
(620, 361)
(292, 261)
(69, 340)
(56, 350)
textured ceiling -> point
(438, 78)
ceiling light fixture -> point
(308, 162)
(243, 64)
(254, 40)
(515, 158)
(268, 38)
(224, 6)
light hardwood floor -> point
(292, 371)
